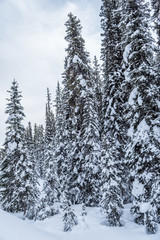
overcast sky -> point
(32, 49)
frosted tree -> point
(49, 193)
(29, 150)
(30, 143)
(59, 147)
(1, 154)
(111, 203)
(96, 79)
(50, 121)
(49, 134)
(39, 148)
(49, 202)
(113, 107)
(156, 17)
(143, 110)
(155, 195)
(77, 73)
(69, 217)
(90, 147)
(18, 182)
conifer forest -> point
(100, 145)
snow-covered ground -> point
(89, 228)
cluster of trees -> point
(102, 146)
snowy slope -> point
(13, 228)
(91, 228)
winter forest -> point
(100, 146)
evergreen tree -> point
(143, 111)
(69, 218)
(59, 132)
(39, 148)
(49, 134)
(49, 202)
(84, 212)
(155, 195)
(50, 121)
(29, 149)
(90, 147)
(1, 155)
(156, 17)
(58, 106)
(50, 184)
(111, 203)
(98, 89)
(76, 76)
(18, 189)
(30, 143)
(114, 123)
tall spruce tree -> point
(113, 112)
(39, 148)
(98, 88)
(50, 121)
(29, 150)
(90, 145)
(49, 134)
(59, 132)
(50, 185)
(77, 75)
(18, 188)
(143, 112)
(155, 195)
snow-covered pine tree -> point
(111, 203)
(1, 155)
(143, 112)
(69, 217)
(59, 133)
(29, 149)
(29, 136)
(114, 124)
(17, 185)
(84, 212)
(58, 106)
(98, 89)
(50, 185)
(30, 143)
(50, 121)
(90, 146)
(49, 134)
(49, 202)
(154, 213)
(156, 17)
(77, 73)
(39, 147)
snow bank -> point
(13, 228)
(89, 227)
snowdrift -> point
(13, 228)
(91, 227)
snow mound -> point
(13, 228)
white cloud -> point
(32, 48)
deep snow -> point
(91, 227)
